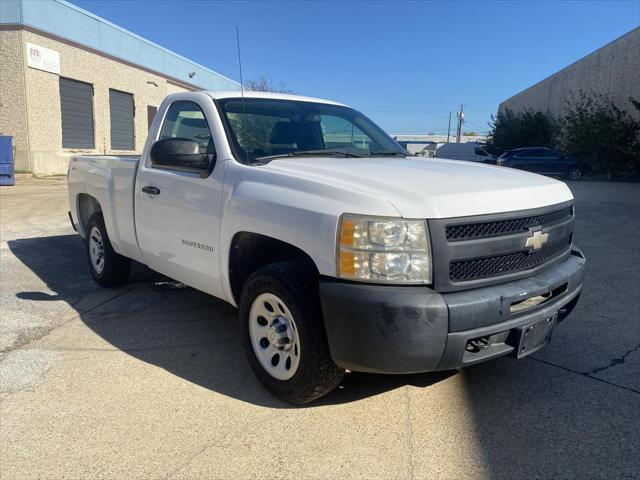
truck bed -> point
(111, 180)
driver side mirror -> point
(181, 154)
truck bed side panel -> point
(110, 181)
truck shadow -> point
(164, 323)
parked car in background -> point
(470, 151)
(544, 161)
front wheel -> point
(283, 334)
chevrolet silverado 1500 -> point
(340, 252)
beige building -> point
(613, 70)
(60, 96)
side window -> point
(528, 154)
(479, 151)
(186, 120)
(339, 132)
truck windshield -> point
(262, 129)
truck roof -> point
(277, 96)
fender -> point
(301, 212)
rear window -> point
(481, 152)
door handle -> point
(151, 190)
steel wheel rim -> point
(96, 250)
(274, 336)
(575, 174)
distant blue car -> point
(544, 161)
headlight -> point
(374, 249)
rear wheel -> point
(283, 334)
(107, 267)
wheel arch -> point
(250, 251)
(87, 206)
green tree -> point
(527, 128)
(597, 132)
(265, 84)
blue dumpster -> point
(7, 174)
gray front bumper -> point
(402, 329)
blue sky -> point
(404, 64)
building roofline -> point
(142, 39)
(629, 33)
(64, 20)
(66, 41)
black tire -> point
(116, 268)
(316, 375)
(575, 173)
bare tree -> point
(265, 84)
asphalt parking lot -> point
(149, 380)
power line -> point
(484, 129)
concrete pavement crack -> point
(583, 374)
(195, 455)
(615, 361)
(187, 462)
(409, 430)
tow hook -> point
(478, 344)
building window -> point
(151, 115)
(76, 106)
(122, 111)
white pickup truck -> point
(340, 252)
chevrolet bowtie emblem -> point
(537, 240)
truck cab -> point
(340, 252)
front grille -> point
(487, 267)
(507, 226)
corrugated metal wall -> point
(121, 110)
(76, 104)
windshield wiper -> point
(387, 153)
(313, 153)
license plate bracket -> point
(532, 337)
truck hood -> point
(429, 188)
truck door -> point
(178, 211)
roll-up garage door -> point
(76, 105)
(121, 108)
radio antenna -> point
(241, 87)
(239, 61)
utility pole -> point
(460, 122)
(449, 129)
